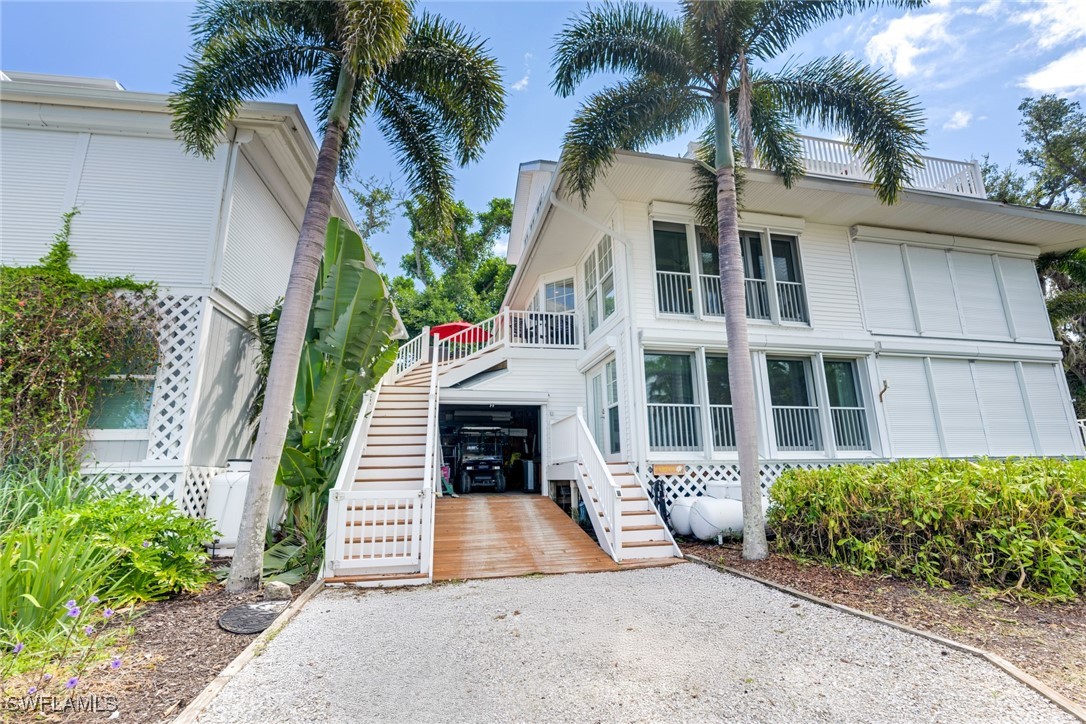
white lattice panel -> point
(693, 483)
(194, 493)
(179, 320)
(157, 484)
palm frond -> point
(451, 72)
(421, 147)
(629, 115)
(372, 33)
(716, 33)
(619, 38)
(218, 18)
(877, 115)
(1066, 306)
(704, 181)
(779, 23)
(776, 138)
(230, 68)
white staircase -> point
(624, 519)
(381, 510)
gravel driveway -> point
(684, 643)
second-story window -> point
(781, 280)
(559, 296)
(599, 284)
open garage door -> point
(491, 448)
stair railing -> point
(430, 458)
(572, 441)
(412, 353)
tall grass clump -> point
(1016, 525)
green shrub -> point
(159, 551)
(1017, 525)
(27, 492)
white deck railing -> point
(825, 157)
(674, 427)
(712, 304)
(723, 422)
(793, 307)
(412, 352)
(797, 428)
(673, 293)
(850, 428)
(572, 441)
(514, 328)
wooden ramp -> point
(492, 536)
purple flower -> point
(108, 613)
(146, 544)
(74, 612)
(89, 630)
(31, 690)
(47, 677)
(115, 664)
(17, 648)
(93, 599)
(70, 603)
(71, 683)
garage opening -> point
(491, 448)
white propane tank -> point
(225, 503)
(680, 515)
(709, 517)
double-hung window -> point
(674, 291)
(673, 410)
(599, 284)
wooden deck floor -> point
(492, 536)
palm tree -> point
(696, 68)
(433, 91)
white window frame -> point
(125, 433)
(594, 255)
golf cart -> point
(479, 460)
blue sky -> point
(970, 64)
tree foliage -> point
(454, 276)
(61, 334)
(1054, 130)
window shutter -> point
(1057, 433)
(1025, 299)
(982, 306)
(934, 290)
(1004, 409)
(884, 287)
(959, 407)
(907, 403)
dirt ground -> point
(1047, 640)
(175, 650)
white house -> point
(217, 237)
(877, 333)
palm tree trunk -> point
(246, 568)
(740, 368)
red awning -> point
(449, 329)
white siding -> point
(982, 306)
(148, 209)
(1047, 400)
(221, 430)
(829, 278)
(934, 290)
(885, 287)
(563, 384)
(959, 408)
(1004, 409)
(260, 243)
(1024, 299)
(908, 408)
(34, 174)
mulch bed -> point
(176, 649)
(1047, 640)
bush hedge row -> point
(1016, 525)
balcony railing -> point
(790, 298)
(825, 157)
(756, 293)
(723, 422)
(674, 428)
(797, 428)
(673, 293)
(850, 428)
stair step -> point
(645, 543)
(641, 527)
(639, 512)
(375, 577)
(382, 447)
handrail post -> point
(616, 524)
(425, 343)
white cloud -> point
(1063, 75)
(1054, 22)
(906, 39)
(958, 120)
(522, 84)
(990, 8)
(501, 246)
